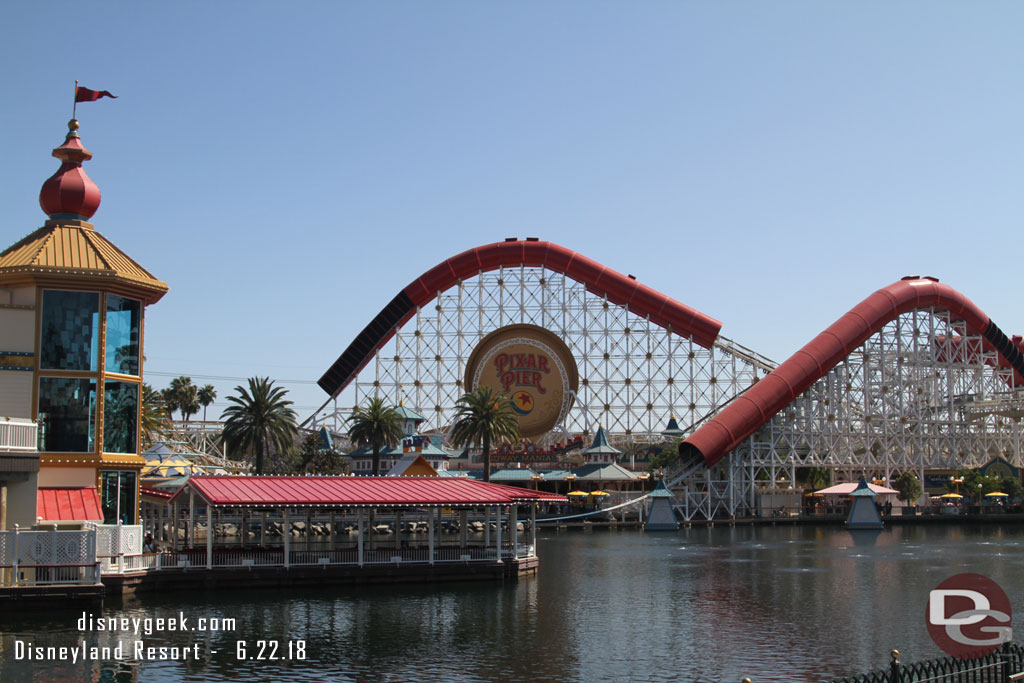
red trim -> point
(229, 491)
(156, 493)
(600, 280)
(68, 504)
(761, 402)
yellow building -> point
(72, 309)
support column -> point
(174, 526)
(286, 532)
(330, 536)
(263, 528)
(430, 532)
(487, 526)
(209, 537)
(309, 527)
(190, 534)
(463, 523)
(398, 529)
(513, 529)
(533, 527)
(359, 524)
(244, 531)
(498, 535)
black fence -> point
(1002, 666)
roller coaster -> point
(914, 378)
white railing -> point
(196, 558)
(17, 434)
(44, 557)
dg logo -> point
(969, 616)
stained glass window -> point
(70, 331)
(123, 335)
(120, 417)
(67, 415)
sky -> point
(287, 168)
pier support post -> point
(359, 524)
(209, 536)
(533, 527)
(513, 529)
(330, 536)
(263, 529)
(430, 532)
(191, 519)
(398, 529)
(497, 543)
(487, 526)
(286, 532)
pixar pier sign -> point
(532, 367)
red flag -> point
(86, 95)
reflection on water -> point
(773, 603)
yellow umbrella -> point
(600, 493)
(951, 495)
(577, 493)
(998, 494)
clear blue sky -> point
(287, 168)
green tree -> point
(184, 396)
(259, 419)
(666, 457)
(973, 484)
(154, 416)
(314, 458)
(484, 417)
(909, 487)
(375, 425)
(1012, 487)
(206, 396)
(814, 477)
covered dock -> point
(429, 533)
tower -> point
(72, 311)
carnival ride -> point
(914, 378)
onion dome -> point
(70, 193)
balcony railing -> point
(17, 435)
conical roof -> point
(672, 430)
(601, 445)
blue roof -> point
(601, 445)
(661, 491)
(513, 474)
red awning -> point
(231, 491)
(68, 505)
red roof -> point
(68, 504)
(155, 493)
(230, 491)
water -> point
(773, 603)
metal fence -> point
(1002, 666)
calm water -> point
(773, 603)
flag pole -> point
(74, 107)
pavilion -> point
(265, 501)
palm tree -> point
(154, 416)
(375, 426)
(484, 417)
(259, 419)
(185, 396)
(206, 396)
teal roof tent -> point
(660, 514)
(864, 512)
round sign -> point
(532, 367)
(968, 616)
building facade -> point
(72, 312)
